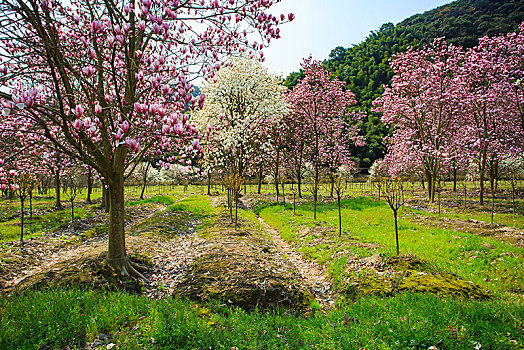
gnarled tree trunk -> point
(116, 253)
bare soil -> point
(238, 265)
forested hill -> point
(365, 67)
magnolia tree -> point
(377, 172)
(244, 105)
(25, 156)
(317, 124)
(492, 103)
(451, 108)
(423, 105)
(108, 81)
(513, 168)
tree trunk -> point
(481, 188)
(209, 183)
(422, 182)
(315, 205)
(31, 205)
(513, 197)
(482, 175)
(106, 200)
(259, 180)
(299, 186)
(21, 222)
(283, 184)
(492, 183)
(454, 180)
(58, 204)
(117, 247)
(116, 254)
(431, 187)
(396, 229)
(144, 181)
(236, 208)
(89, 185)
(294, 202)
(72, 212)
(230, 203)
(492, 205)
(332, 186)
(315, 192)
(339, 216)
(277, 166)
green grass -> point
(49, 222)
(10, 230)
(160, 199)
(196, 204)
(73, 318)
(469, 256)
(407, 321)
(510, 220)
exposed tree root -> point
(139, 267)
(127, 268)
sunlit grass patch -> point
(59, 318)
(196, 204)
(10, 230)
(160, 199)
(485, 261)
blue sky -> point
(322, 25)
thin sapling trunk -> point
(396, 229)
(392, 190)
(144, 181)
(21, 222)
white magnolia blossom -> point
(513, 167)
(377, 170)
(244, 103)
(160, 174)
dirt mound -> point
(166, 224)
(243, 268)
(380, 276)
(89, 272)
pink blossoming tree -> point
(107, 82)
(319, 106)
(423, 104)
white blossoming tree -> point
(244, 104)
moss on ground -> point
(442, 284)
(389, 276)
(98, 230)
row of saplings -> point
(391, 190)
(25, 185)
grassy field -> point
(46, 219)
(484, 260)
(406, 320)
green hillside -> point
(365, 68)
